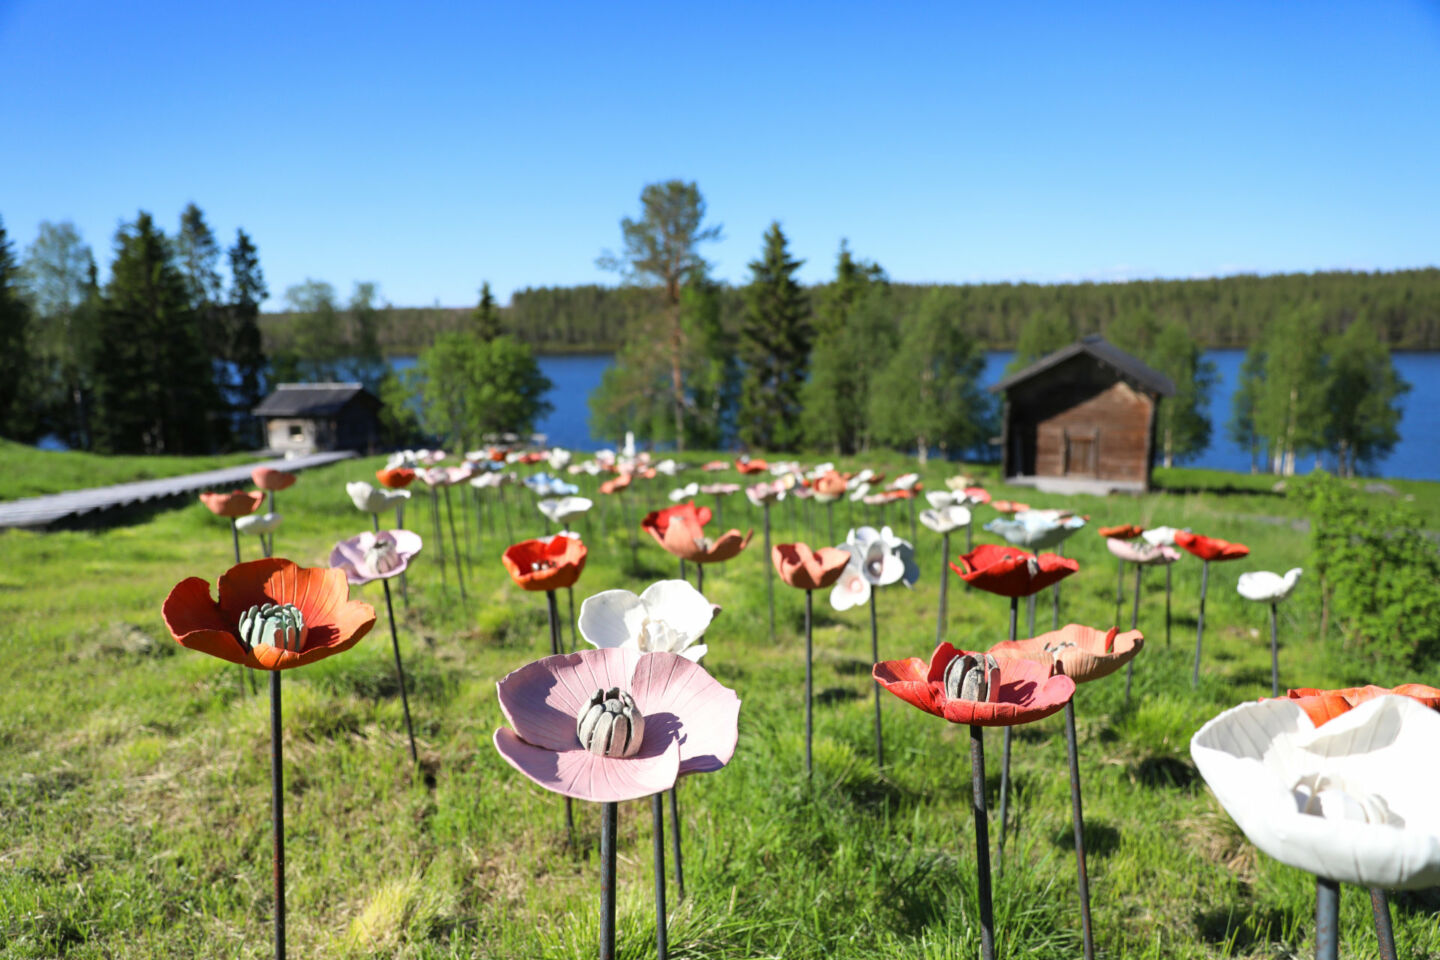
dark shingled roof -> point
(1131, 368)
(311, 399)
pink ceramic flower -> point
(1138, 551)
(647, 719)
(375, 556)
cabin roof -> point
(311, 399)
(1127, 366)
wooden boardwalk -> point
(43, 511)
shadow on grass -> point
(1101, 839)
(851, 666)
(833, 695)
(1160, 771)
(1237, 930)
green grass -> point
(134, 797)
(28, 472)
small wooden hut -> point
(309, 417)
(1082, 420)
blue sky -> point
(428, 147)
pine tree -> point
(246, 351)
(485, 318)
(197, 255)
(775, 345)
(1363, 390)
(1044, 332)
(16, 393)
(847, 348)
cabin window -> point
(297, 432)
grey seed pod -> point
(971, 677)
(279, 625)
(609, 724)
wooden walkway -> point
(43, 511)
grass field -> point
(134, 797)
(28, 472)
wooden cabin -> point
(1081, 420)
(305, 418)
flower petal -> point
(583, 775)
(611, 618)
(542, 699)
(195, 621)
(673, 692)
(680, 605)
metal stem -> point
(1384, 931)
(400, 671)
(1274, 651)
(404, 582)
(809, 683)
(657, 812)
(459, 561)
(570, 592)
(875, 658)
(1167, 603)
(1200, 623)
(770, 584)
(1134, 620)
(552, 608)
(1005, 754)
(1072, 752)
(830, 520)
(982, 841)
(235, 535)
(1327, 919)
(277, 811)
(944, 586)
(439, 535)
(609, 817)
(700, 577)
(1119, 589)
(1055, 593)
(675, 841)
(375, 522)
(683, 573)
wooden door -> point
(1081, 449)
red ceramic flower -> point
(272, 615)
(396, 478)
(684, 535)
(268, 478)
(550, 564)
(1010, 571)
(1208, 548)
(807, 569)
(1009, 506)
(1323, 705)
(236, 503)
(1023, 692)
(751, 466)
(1125, 531)
(1081, 653)
(977, 494)
(657, 522)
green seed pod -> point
(278, 625)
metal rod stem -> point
(1327, 919)
(683, 573)
(770, 582)
(1167, 603)
(982, 842)
(1384, 931)
(235, 535)
(944, 586)
(1274, 651)
(675, 841)
(809, 683)
(875, 658)
(1005, 753)
(1134, 620)
(570, 593)
(400, 671)
(277, 811)
(700, 577)
(455, 541)
(1072, 752)
(1055, 593)
(1119, 589)
(657, 812)
(609, 817)
(1200, 623)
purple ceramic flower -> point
(615, 724)
(375, 556)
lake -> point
(1417, 456)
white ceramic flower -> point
(906, 481)
(941, 499)
(763, 493)
(687, 492)
(882, 557)
(559, 458)
(375, 499)
(1262, 586)
(1352, 801)
(669, 616)
(819, 470)
(1161, 536)
(562, 509)
(946, 519)
(860, 479)
(1036, 529)
(960, 482)
(258, 523)
(668, 468)
(858, 492)
(852, 589)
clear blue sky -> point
(430, 146)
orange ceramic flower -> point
(1125, 531)
(551, 564)
(1081, 653)
(807, 569)
(1209, 548)
(977, 494)
(1322, 705)
(616, 484)
(268, 478)
(396, 478)
(715, 465)
(657, 522)
(1023, 691)
(1009, 506)
(272, 615)
(237, 503)
(751, 466)
(684, 535)
(833, 484)
(1010, 571)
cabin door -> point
(1081, 449)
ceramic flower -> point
(1081, 653)
(375, 556)
(237, 503)
(1352, 800)
(681, 530)
(1262, 586)
(747, 466)
(1160, 536)
(668, 468)
(1009, 506)
(563, 509)
(271, 615)
(370, 499)
(1124, 531)
(615, 724)
(969, 688)
(1145, 554)
(807, 569)
(545, 485)
(268, 478)
(687, 492)
(719, 489)
(1011, 572)
(669, 616)
(763, 493)
(852, 589)
(831, 486)
(396, 478)
(945, 519)
(859, 493)
(1209, 548)
(434, 476)
(258, 523)
(657, 522)
(906, 481)
(882, 557)
(961, 482)
(1323, 705)
(550, 564)
(558, 458)
(1036, 529)
(865, 476)
(616, 484)
(716, 465)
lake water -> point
(1417, 456)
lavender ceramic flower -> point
(1145, 554)
(375, 556)
(615, 724)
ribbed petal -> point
(673, 692)
(583, 775)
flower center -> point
(281, 626)
(609, 724)
(658, 635)
(381, 556)
(874, 566)
(971, 677)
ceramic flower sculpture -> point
(670, 616)
(233, 505)
(981, 691)
(613, 725)
(562, 510)
(1262, 586)
(1163, 537)
(809, 570)
(1209, 550)
(1351, 801)
(261, 525)
(544, 485)
(271, 615)
(369, 499)
(1323, 705)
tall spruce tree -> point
(1362, 399)
(775, 345)
(16, 394)
(836, 411)
(246, 351)
(485, 318)
(155, 391)
(197, 255)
